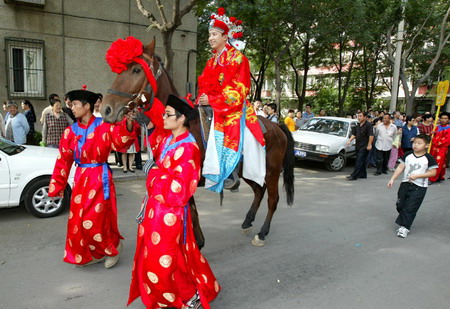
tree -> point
(339, 40)
(167, 27)
(426, 35)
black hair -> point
(273, 106)
(28, 103)
(444, 114)
(53, 101)
(52, 96)
(291, 111)
(364, 113)
(308, 105)
(426, 116)
(424, 137)
(186, 118)
(100, 96)
(408, 118)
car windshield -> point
(326, 126)
(9, 147)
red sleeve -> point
(174, 181)
(63, 164)
(159, 133)
(120, 136)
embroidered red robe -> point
(226, 82)
(168, 267)
(439, 149)
(92, 230)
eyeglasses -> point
(168, 115)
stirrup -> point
(232, 184)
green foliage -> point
(334, 30)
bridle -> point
(136, 98)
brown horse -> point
(279, 141)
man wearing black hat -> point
(169, 270)
(92, 230)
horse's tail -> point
(288, 165)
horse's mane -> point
(161, 63)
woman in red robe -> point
(92, 231)
(168, 270)
(439, 147)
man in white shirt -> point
(384, 134)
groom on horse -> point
(235, 130)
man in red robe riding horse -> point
(235, 130)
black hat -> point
(181, 105)
(83, 96)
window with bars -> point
(26, 73)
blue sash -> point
(441, 128)
(78, 150)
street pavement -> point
(334, 248)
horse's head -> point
(131, 82)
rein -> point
(146, 87)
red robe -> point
(226, 82)
(439, 148)
(168, 267)
(92, 230)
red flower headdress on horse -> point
(228, 25)
(123, 52)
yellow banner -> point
(441, 94)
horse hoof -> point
(257, 242)
(247, 230)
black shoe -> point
(376, 174)
(232, 183)
(351, 178)
(139, 167)
(385, 172)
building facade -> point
(54, 46)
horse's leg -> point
(272, 202)
(199, 238)
(250, 217)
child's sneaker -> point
(402, 232)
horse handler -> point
(168, 270)
(92, 231)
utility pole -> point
(398, 59)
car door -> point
(350, 149)
(4, 180)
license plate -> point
(299, 153)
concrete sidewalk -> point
(119, 175)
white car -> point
(25, 173)
(325, 139)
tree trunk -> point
(340, 101)
(305, 74)
(297, 93)
(168, 52)
(277, 83)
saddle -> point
(206, 116)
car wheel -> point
(39, 204)
(337, 164)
